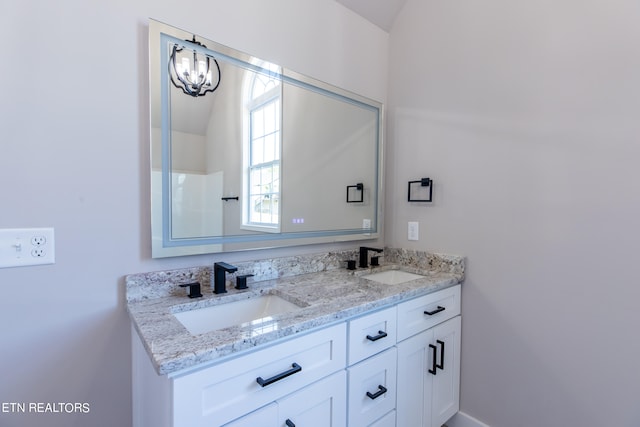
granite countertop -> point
(325, 297)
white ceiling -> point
(380, 12)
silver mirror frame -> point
(163, 245)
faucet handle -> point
(241, 281)
(194, 289)
(226, 267)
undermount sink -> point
(256, 311)
(393, 277)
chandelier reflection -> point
(193, 72)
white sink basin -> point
(393, 277)
(257, 311)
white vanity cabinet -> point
(397, 366)
(429, 361)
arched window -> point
(261, 204)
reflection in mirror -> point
(256, 157)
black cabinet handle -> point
(294, 369)
(441, 365)
(381, 334)
(381, 390)
(433, 365)
(436, 311)
(289, 423)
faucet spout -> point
(220, 269)
(364, 255)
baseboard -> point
(463, 420)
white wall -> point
(526, 114)
(74, 155)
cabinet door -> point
(322, 404)
(446, 383)
(429, 376)
(263, 417)
(414, 381)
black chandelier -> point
(191, 71)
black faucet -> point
(219, 276)
(194, 289)
(364, 252)
(241, 281)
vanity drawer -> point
(422, 313)
(372, 334)
(372, 388)
(221, 393)
(388, 420)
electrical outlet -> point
(21, 247)
(413, 231)
(38, 252)
(38, 240)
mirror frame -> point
(163, 245)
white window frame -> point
(250, 105)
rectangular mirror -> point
(248, 155)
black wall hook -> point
(424, 182)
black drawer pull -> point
(436, 311)
(381, 334)
(294, 369)
(433, 363)
(381, 390)
(441, 365)
(289, 423)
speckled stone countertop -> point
(325, 290)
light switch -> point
(366, 225)
(413, 230)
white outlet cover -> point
(366, 225)
(20, 247)
(413, 230)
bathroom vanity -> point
(356, 348)
(305, 342)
